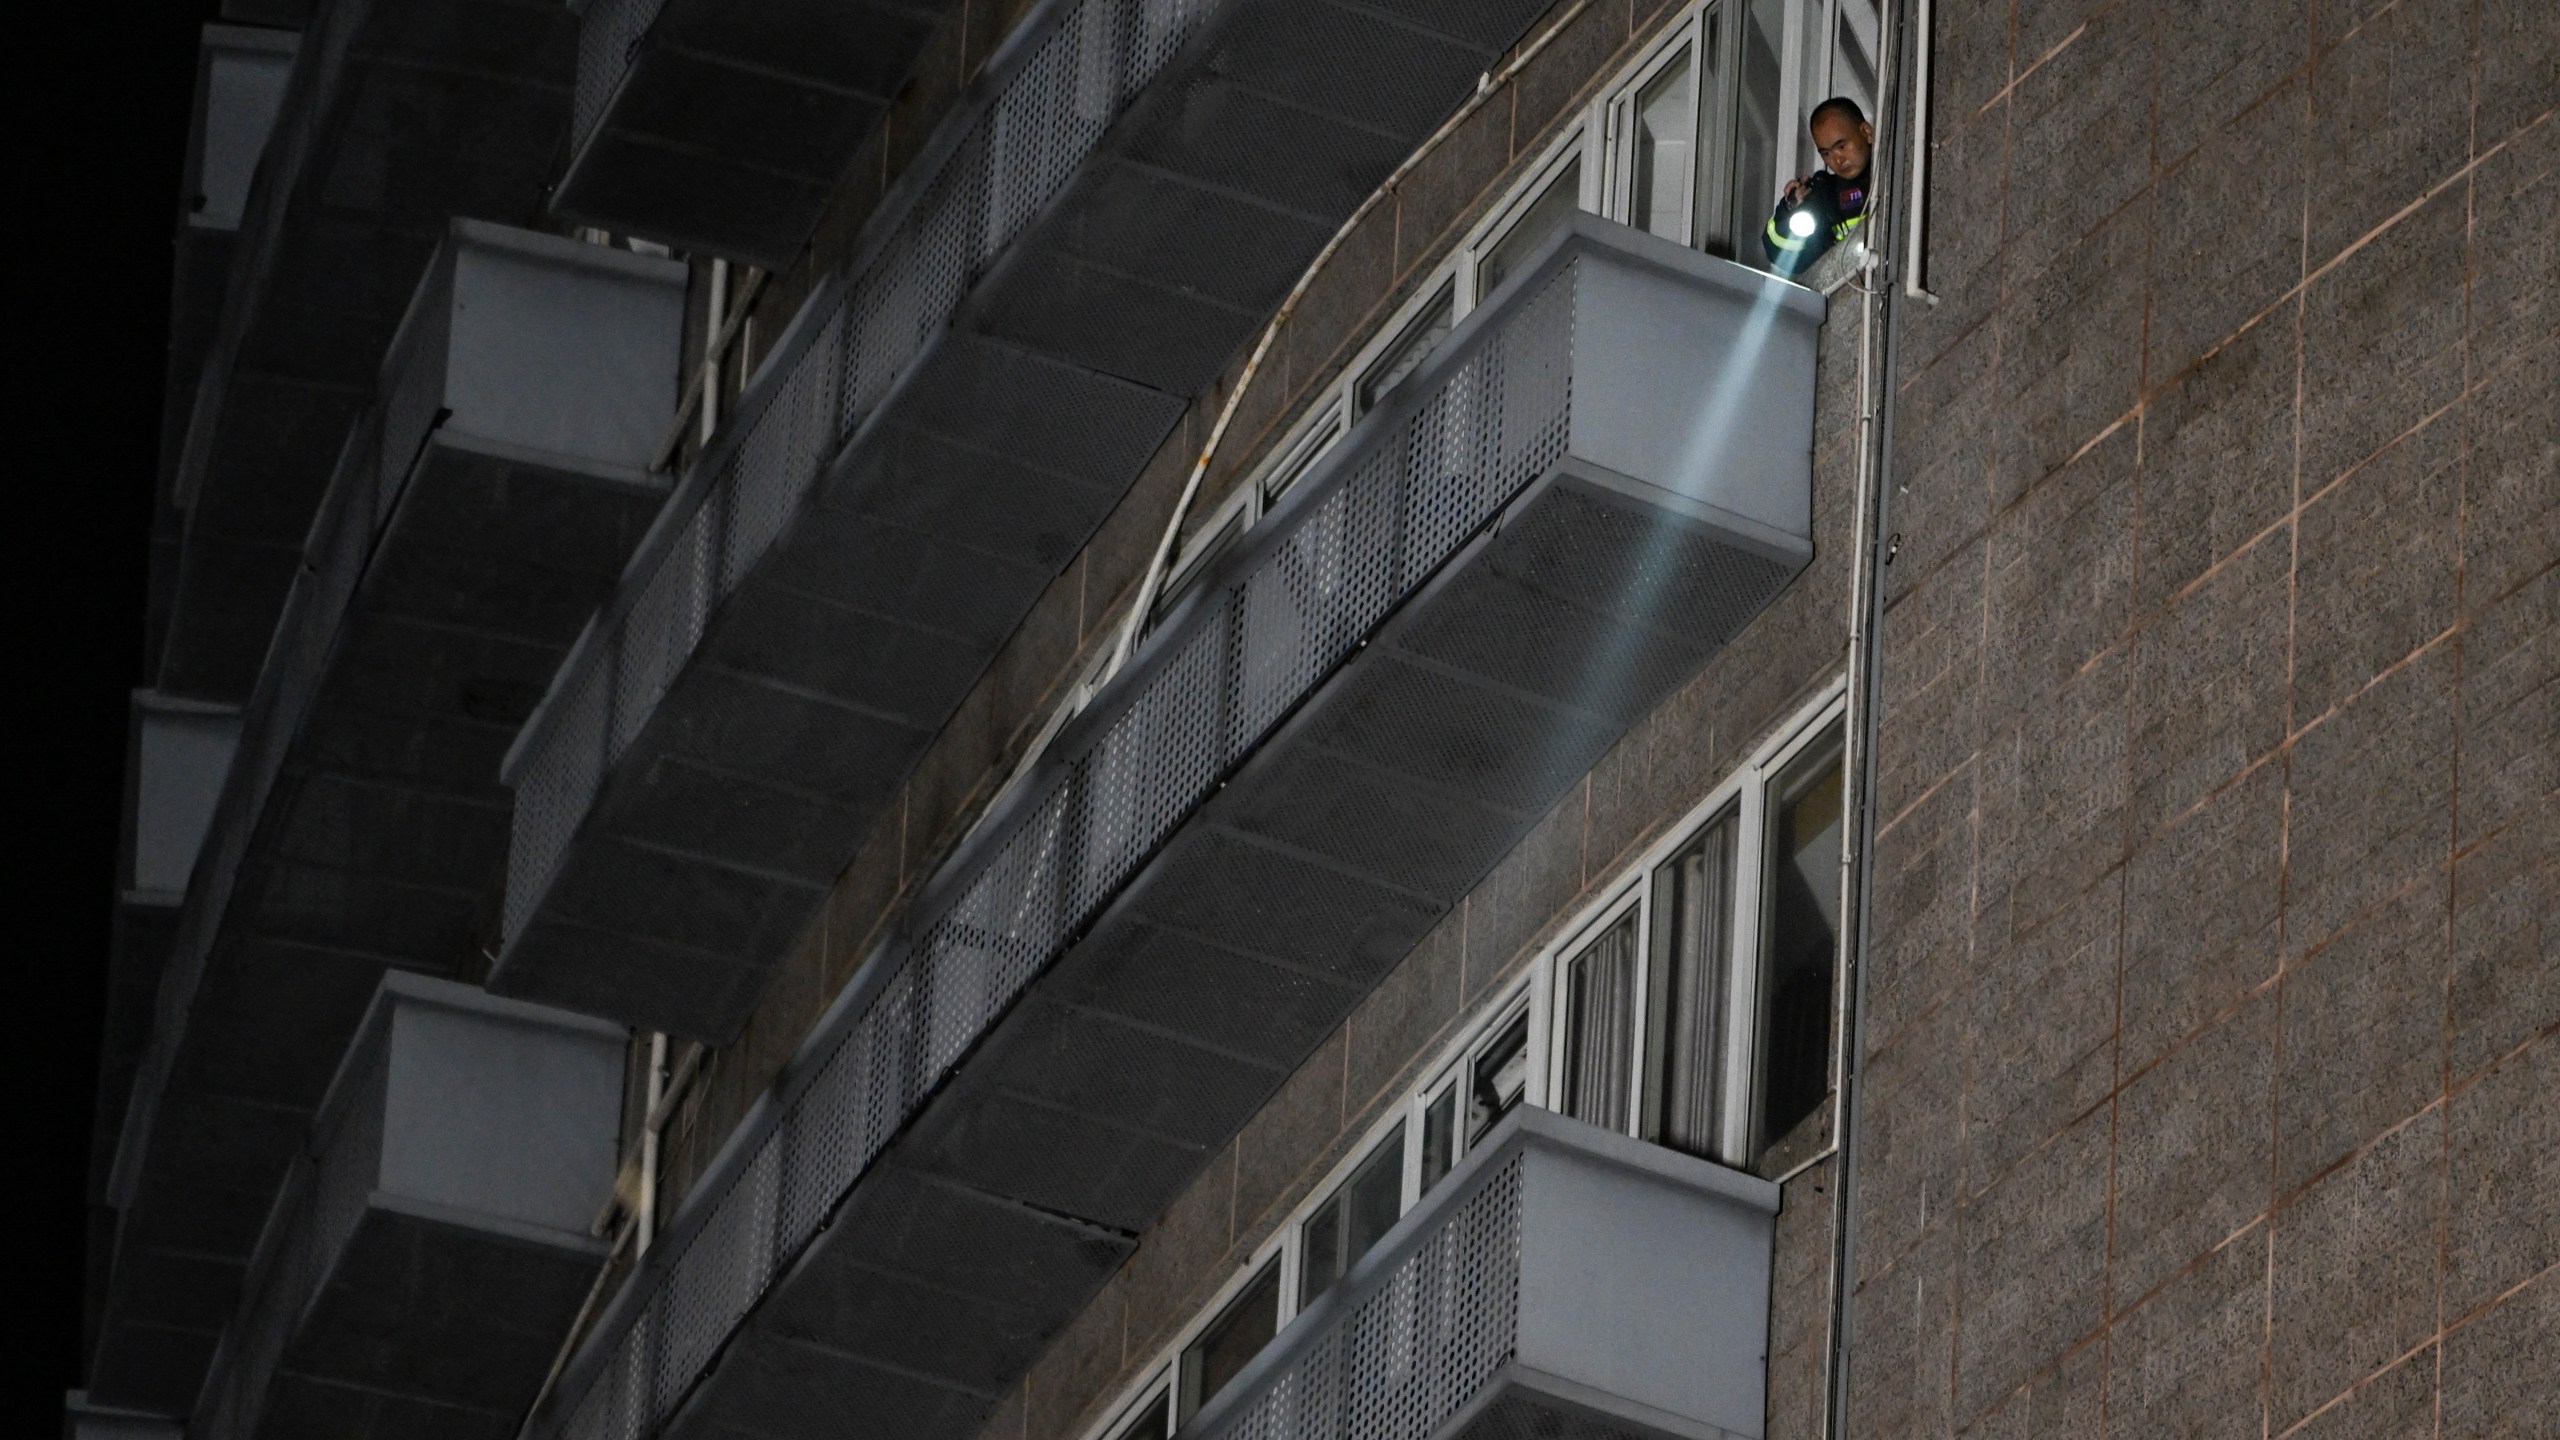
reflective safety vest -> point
(1838, 208)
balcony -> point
(927, 447)
(241, 74)
(1564, 1281)
(1599, 478)
(397, 118)
(479, 512)
(723, 126)
(430, 1248)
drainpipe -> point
(1872, 549)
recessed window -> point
(1414, 344)
(1800, 939)
(1693, 938)
(1497, 1078)
(1344, 1227)
(1600, 1025)
(1231, 1341)
(1536, 222)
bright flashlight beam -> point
(1637, 606)
(1800, 224)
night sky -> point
(105, 91)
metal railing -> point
(1409, 486)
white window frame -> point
(1618, 124)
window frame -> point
(1620, 108)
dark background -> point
(104, 92)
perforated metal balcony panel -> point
(1367, 702)
(398, 117)
(478, 514)
(1565, 1281)
(429, 1252)
(1097, 228)
(723, 126)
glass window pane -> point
(1758, 127)
(1853, 70)
(1439, 1137)
(1320, 1251)
(1665, 127)
(1420, 337)
(1498, 1078)
(1712, 107)
(1600, 1011)
(1231, 1341)
(1693, 920)
(1562, 195)
(1350, 1220)
(1309, 451)
(1150, 1423)
(1192, 565)
(1800, 940)
(1376, 1198)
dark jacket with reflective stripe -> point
(1839, 207)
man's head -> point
(1843, 136)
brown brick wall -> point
(2212, 1085)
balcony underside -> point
(723, 126)
(400, 116)
(897, 494)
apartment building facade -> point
(1105, 719)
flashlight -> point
(1801, 224)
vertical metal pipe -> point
(1878, 310)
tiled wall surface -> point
(2213, 1085)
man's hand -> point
(1797, 189)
